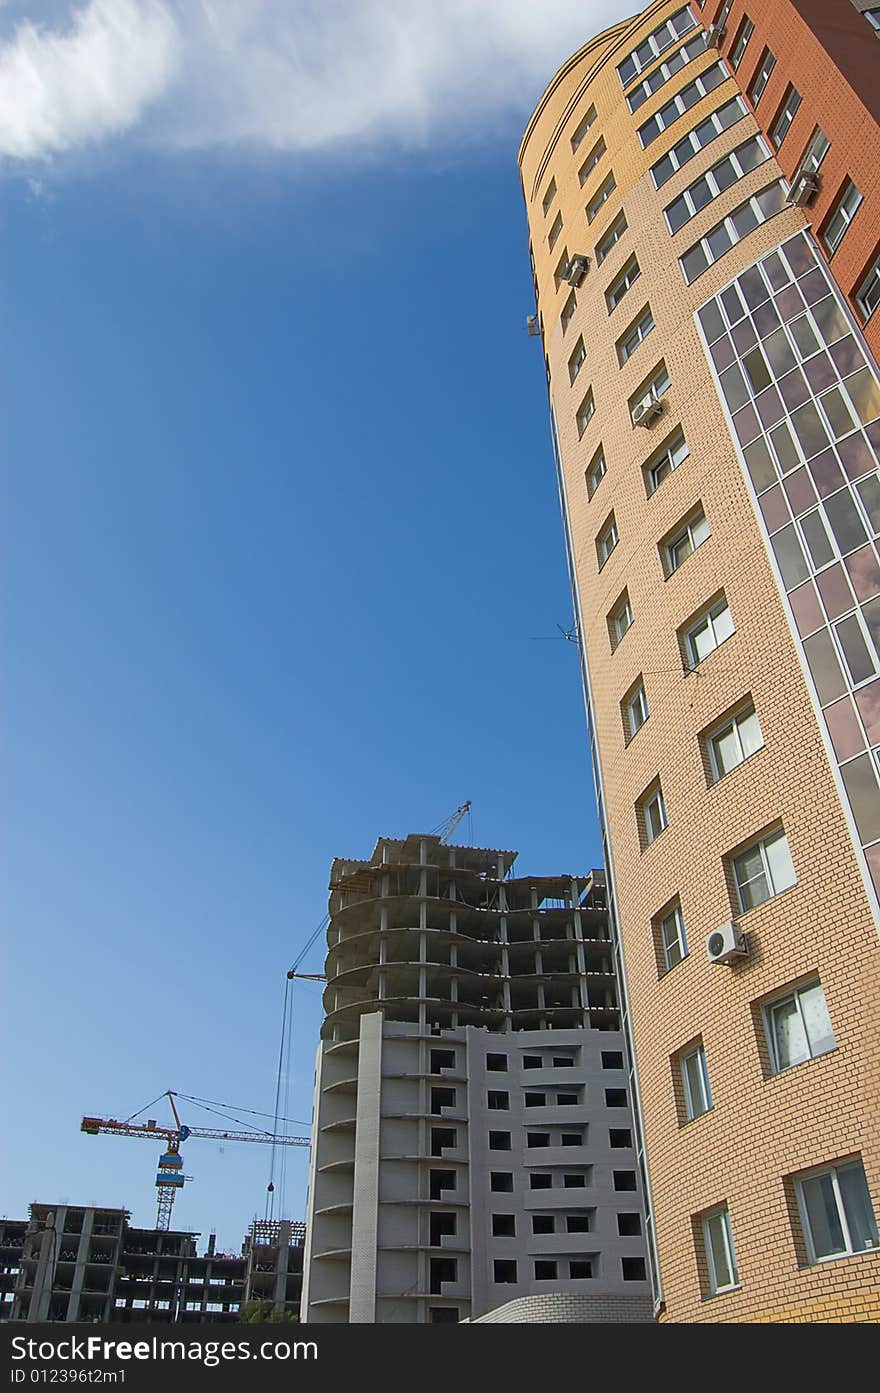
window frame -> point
(772, 1004)
(594, 474)
(609, 531)
(715, 1288)
(655, 125)
(684, 533)
(761, 76)
(576, 360)
(665, 456)
(731, 724)
(833, 1170)
(621, 610)
(600, 197)
(653, 798)
(668, 943)
(838, 208)
(555, 232)
(635, 698)
(706, 620)
(760, 845)
(710, 178)
(580, 130)
(549, 195)
(741, 42)
(697, 144)
(784, 117)
(592, 160)
(691, 1110)
(624, 281)
(610, 237)
(870, 283)
(632, 338)
(585, 413)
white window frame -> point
(732, 727)
(555, 232)
(561, 268)
(581, 129)
(784, 117)
(577, 359)
(733, 232)
(670, 941)
(845, 210)
(549, 195)
(653, 800)
(833, 1172)
(758, 84)
(610, 238)
(635, 335)
(636, 711)
(651, 388)
(773, 1004)
(873, 18)
(674, 453)
(868, 293)
(657, 41)
(813, 155)
(585, 413)
(596, 471)
(619, 629)
(695, 1105)
(623, 281)
(695, 46)
(715, 1287)
(741, 42)
(601, 197)
(770, 838)
(590, 163)
(568, 310)
(691, 534)
(678, 106)
(706, 623)
(711, 181)
(606, 541)
(696, 143)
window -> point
(612, 1059)
(579, 1269)
(606, 541)
(797, 1026)
(635, 710)
(684, 542)
(695, 1082)
(681, 103)
(621, 284)
(577, 1223)
(582, 128)
(629, 1225)
(784, 117)
(615, 1097)
(497, 1063)
(534, 1139)
(656, 43)
(568, 310)
(624, 1180)
(585, 412)
(595, 472)
(591, 161)
(619, 1138)
(503, 1226)
(868, 293)
(763, 870)
(667, 69)
(576, 361)
(652, 815)
(873, 17)
(836, 1212)
(563, 1061)
(571, 1138)
(610, 238)
(501, 1181)
(499, 1141)
(538, 1180)
(545, 1270)
(543, 1223)
(498, 1101)
(653, 388)
(673, 940)
(555, 232)
(567, 1100)
(561, 269)
(574, 1180)
(716, 181)
(620, 619)
(535, 1100)
(662, 463)
(548, 196)
(636, 334)
(814, 154)
(843, 214)
(718, 1247)
(740, 43)
(442, 1098)
(442, 1059)
(441, 1138)
(633, 1269)
(730, 230)
(762, 77)
(739, 737)
(532, 1061)
(602, 195)
(697, 139)
(504, 1270)
(708, 633)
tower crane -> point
(448, 826)
(170, 1177)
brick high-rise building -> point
(705, 228)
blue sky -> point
(280, 533)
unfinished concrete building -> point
(473, 1140)
(72, 1263)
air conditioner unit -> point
(647, 410)
(533, 326)
(803, 189)
(726, 943)
(714, 34)
(576, 269)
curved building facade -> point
(716, 421)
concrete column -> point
(82, 1257)
(365, 1205)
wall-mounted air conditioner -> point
(576, 269)
(646, 411)
(726, 943)
(803, 189)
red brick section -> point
(828, 51)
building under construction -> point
(68, 1263)
(473, 1143)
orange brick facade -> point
(763, 1129)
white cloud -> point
(284, 75)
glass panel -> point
(779, 352)
(694, 262)
(712, 322)
(756, 370)
(723, 623)
(864, 394)
(759, 465)
(816, 537)
(786, 450)
(846, 524)
(817, 1020)
(733, 385)
(750, 734)
(826, 1230)
(733, 305)
(824, 667)
(835, 409)
(789, 1039)
(871, 612)
(810, 430)
(855, 650)
(830, 319)
(805, 340)
(860, 780)
(744, 219)
(719, 240)
(779, 861)
(869, 493)
(693, 1085)
(790, 557)
(751, 879)
(727, 750)
(857, 1206)
(714, 1230)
